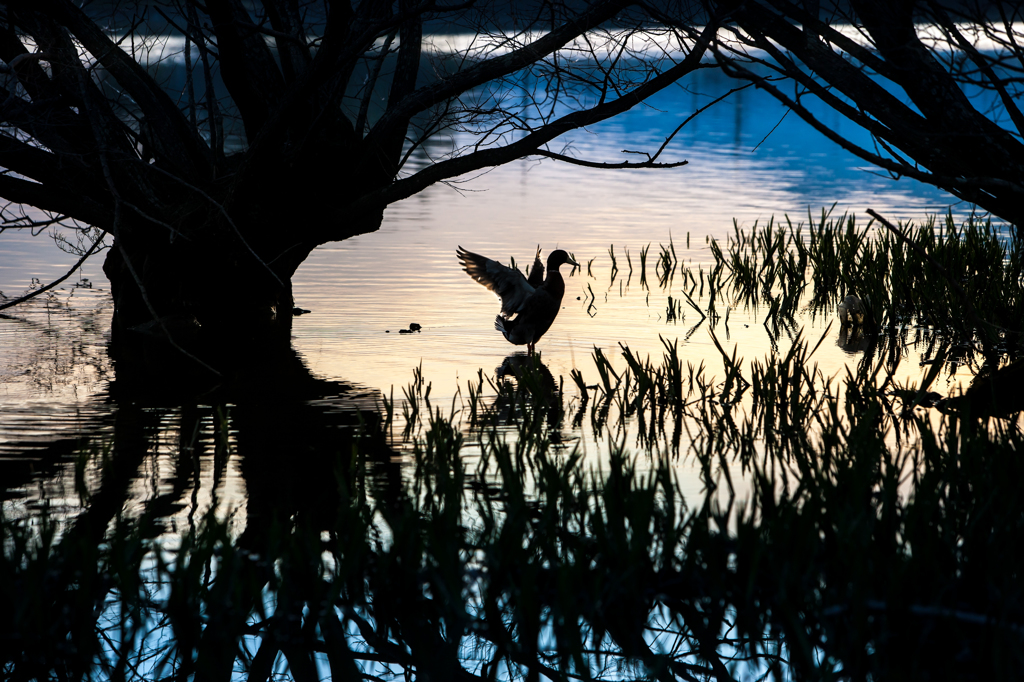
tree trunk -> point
(213, 280)
(221, 303)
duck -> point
(528, 305)
(851, 312)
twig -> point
(596, 164)
(26, 297)
(371, 83)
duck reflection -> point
(853, 339)
(525, 384)
(520, 366)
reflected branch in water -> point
(146, 456)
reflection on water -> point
(53, 363)
(492, 553)
(743, 163)
(407, 272)
(315, 450)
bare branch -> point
(530, 143)
(41, 196)
(371, 83)
(178, 143)
(490, 69)
(598, 164)
(983, 65)
(12, 67)
(27, 297)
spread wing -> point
(536, 277)
(508, 283)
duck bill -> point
(574, 265)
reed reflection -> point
(499, 552)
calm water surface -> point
(54, 371)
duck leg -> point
(529, 347)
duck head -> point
(559, 257)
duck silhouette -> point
(851, 312)
(528, 306)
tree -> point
(936, 83)
(197, 180)
(279, 109)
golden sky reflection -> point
(363, 291)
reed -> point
(666, 265)
(964, 281)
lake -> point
(747, 162)
(360, 479)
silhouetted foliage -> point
(937, 84)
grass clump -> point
(965, 281)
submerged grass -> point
(865, 540)
(955, 289)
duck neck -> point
(554, 284)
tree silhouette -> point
(289, 125)
(936, 83)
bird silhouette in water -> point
(528, 306)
